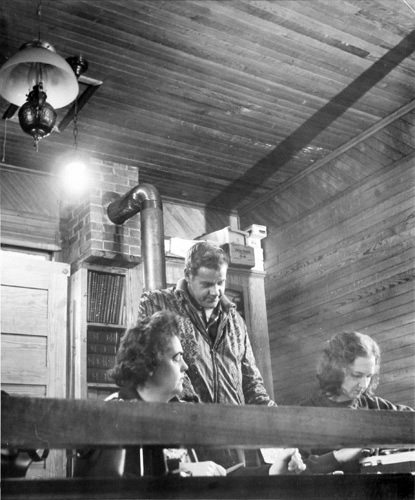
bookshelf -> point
(104, 302)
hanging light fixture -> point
(36, 62)
(39, 80)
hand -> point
(347, 454)
(296, 463)
(203, 468)
(288, 461)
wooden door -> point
(34, 335)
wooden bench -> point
(68, 424)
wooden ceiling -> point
(220, 102)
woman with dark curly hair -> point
(150, 361)
(348, 374)
(149, 367)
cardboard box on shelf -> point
(256, 231)
(225, 235)
(253, 242)
(240, 255)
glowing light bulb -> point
(75, 176)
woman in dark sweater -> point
(149, 367)
(348, 374)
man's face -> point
(207, 286)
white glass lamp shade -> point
(35, 62)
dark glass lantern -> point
(37, 117)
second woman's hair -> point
(341, 352)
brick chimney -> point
(90, 235)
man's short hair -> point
(204, 254)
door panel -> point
(34, 336)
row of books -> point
(102, 345)
(106, 298)
(98, 376)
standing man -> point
(214, 337)
(217, 349)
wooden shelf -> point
(102, 386)
(105, 325)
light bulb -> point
(75, 176)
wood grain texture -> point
(221, 103)
(317, 487)
(33, 422)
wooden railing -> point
(69, 424)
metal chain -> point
(39, 13)
(75, 125)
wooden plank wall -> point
(30, 209)
(189, 221)
(348, 264)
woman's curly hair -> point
(142, 347)
(341, 352)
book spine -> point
(108, 299)
(100, 361)
(121, 312)
(89, 297)
(92, 295)
(102, 293)
(98, 376)
(95, 302)
(115, 300)
(102, 337)
(101, 349)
